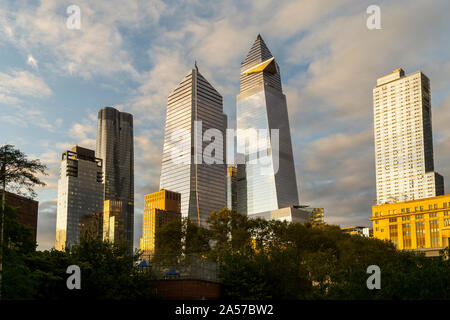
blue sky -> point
(131, 54)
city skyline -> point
(50, 93)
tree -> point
(21, 175)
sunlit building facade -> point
(113, 221)
(160, 208)
(193, 107)
(80, 192)
(422, 224)
(115, 147)
(269, 182)
(403, 139)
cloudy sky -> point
(131, 54)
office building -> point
(194, 107)
(26, 209)
(113, 221)
(160, 208)
(232, 188)
(80, 192)
(115, 148)
(269, 182)
(403, 139)
(317, 215)
(422, 224)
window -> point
(434, 233)
(433, 215)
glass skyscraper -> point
(115, 148)
(269, 182)
(202, 186)
(80, 193)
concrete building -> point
(80, 192)
(403, 139)
(113, 221)
(160, 208)
(317, 216)
(268, 175)
(115, 147)
(289, 214)
(26, 209)
(422, 224)
(194, 107)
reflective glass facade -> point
(202, 186)
(115, 148)
(270, 181)
(80, 192)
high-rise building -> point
(317, 215)
(80, 192)
(270, 183)
(113, 211)
(26, 209)
(115, 148)
(403, 139)
(232, 188)
(194, 107)
(160, 208)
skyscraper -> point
(232, 188)
(261, 104)
(403, 139)
(193, 108)
(115, 148)
(80, 192)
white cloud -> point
(19, 83)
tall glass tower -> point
(193, 108)
(80, 193)
(115, 148)
(261, 104)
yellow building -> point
(160, 208)
(113, 221)
(414, 225)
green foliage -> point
(108, 271)
(18, 172)
(278, 260)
